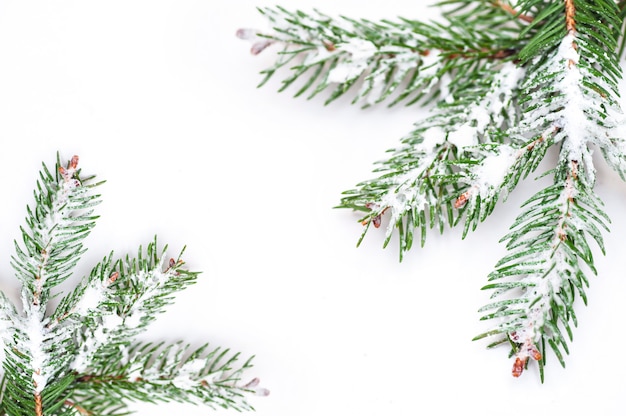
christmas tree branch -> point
(161, 373)
(547, 241)
(127, 297)
(382, 56)
(50, 359)
(61, 220)
(436, 170)
(575, 107)
(509, 81)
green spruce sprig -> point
(82, 357)
(506, 81)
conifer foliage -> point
(505, 81)
(81, 357)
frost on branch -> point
(570, 103)
(447, 162)
(505, 83)
(81, 357)
(345, 53)
(582, 109)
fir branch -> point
(576, 106)
(51, 360)
(61, 219)
(340, 52)
(383, 57)
(543, 268)
(127, 295)
(509, 81)
(437, 169)
(162, 373)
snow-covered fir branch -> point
(122, 301)
(60, 220)
(173, 372)
(380, 58)
(447, 162)
(540, 276)
(507, 81)
(338, 52)
(82, 358)
(568, 103)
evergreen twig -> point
(506, 81)
(82, 358)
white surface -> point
(159, 98)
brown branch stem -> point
(92, 378)
(38, 405)
(495, 55)
(507, 8)
(78, 408)
(570, 13)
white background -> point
(159, 98)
